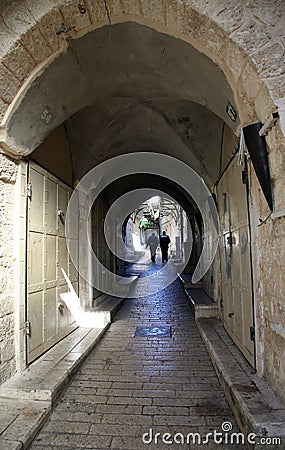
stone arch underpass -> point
(83, 83)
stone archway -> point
(238, 39)
(244, 42)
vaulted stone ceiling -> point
(174, 127)
(129, 89)
(153, 93)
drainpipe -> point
(26, 264)
(252, 329)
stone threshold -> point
(256, 407)
(109, 308)
(27, 399)
(201, 304)
(124, 284)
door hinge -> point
(231, 240)
(244, 176)
(28, 328)
(252, 333)
(29, 190)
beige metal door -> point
(237, 302)
(48, 320)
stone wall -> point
(269, 262)
(8, 176)
(272, 297)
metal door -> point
(237, 296)
(48, 320)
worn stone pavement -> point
(130, 384)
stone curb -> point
(27, 399)
(26, 424)
(254, 404)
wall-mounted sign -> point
(46, 117)
(231, 112)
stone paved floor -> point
(131, 384)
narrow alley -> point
(131, 383)
(142, 224)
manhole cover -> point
(153, 331)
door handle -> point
(231, 314)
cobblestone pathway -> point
(135, 385)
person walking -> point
(164, 243)
(152, 243)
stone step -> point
(123, 285)
(201, 304)
(255, 406)
(27, 399)
(47, 376)
(109, 308)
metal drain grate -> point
(153, 331)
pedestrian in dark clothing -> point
(164, 243)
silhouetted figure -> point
(164, 243)
(152, 243)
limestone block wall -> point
(8, 176)
(272, 296)
(269, 262)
